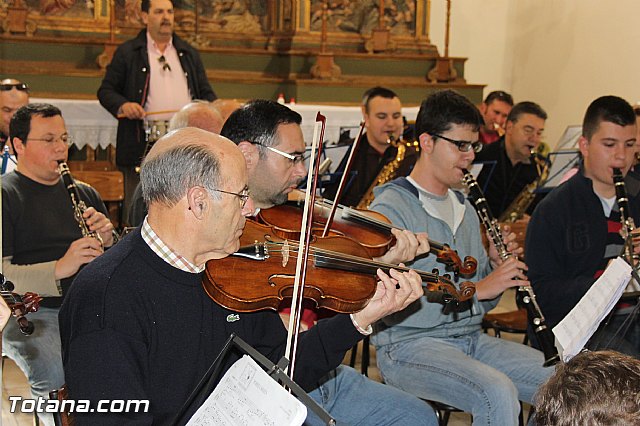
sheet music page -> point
(575, 330)
(248, 396)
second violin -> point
(339, 278)
(369, 228)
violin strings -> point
(355, 260)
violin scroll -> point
(450, 258)
(20, 305)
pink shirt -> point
(168, 89)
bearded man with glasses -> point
(445, 356)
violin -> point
(369, 228)
(20, 305)
(340, 275)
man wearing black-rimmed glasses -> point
(156, 72)
(13, 95)
(423, 350)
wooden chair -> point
(110, 186)
(78, 166)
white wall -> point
(561, 54)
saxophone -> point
(524, 294)
(389, 171)
(628, 226)
(521, 203)
(77, 204)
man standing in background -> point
(155, 72)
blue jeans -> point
(353, 399)
(38, 355)
(610, 335)
(477, 373)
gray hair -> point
(167, 177)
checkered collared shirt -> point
(165, 252)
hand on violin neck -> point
(407, 247)
(394, 293)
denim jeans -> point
(38, 355)
(353, 399)
(477, 373)
(620, 332)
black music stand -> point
(277, 371)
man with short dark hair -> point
(495, 108)
(382, 114)
(270, 138)
(510, 164)
(43, 247)
(156, 72)
(575, 230)
(13, 95)
(438, 354)
(593, 388)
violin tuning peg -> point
(435, 271)
(447, 276)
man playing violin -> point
(42, 246)
(270, 138)
(575, 231)
(141, 309)
(438, 354)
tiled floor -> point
(14, 383)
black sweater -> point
(133, 327)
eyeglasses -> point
(19, 86)
(165, 64)
(294, 158)
(463, 146)
(65, 138)
(243, 196)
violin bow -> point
(343, 180)
(305, 239)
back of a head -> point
(257, 122)
(498, 95)
(592, 389)
(526, 107)
(178, 161)
(612, 109)
(199, 114)
(443, 109)
(376, 92)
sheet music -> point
(248, 396)
(575, 330)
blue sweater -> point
(400, 203)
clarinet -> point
(628, 226)
(77, 204)
(524, 294)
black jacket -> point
(127, 80)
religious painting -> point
(233, 16)
(83, 9)
(361, 16)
